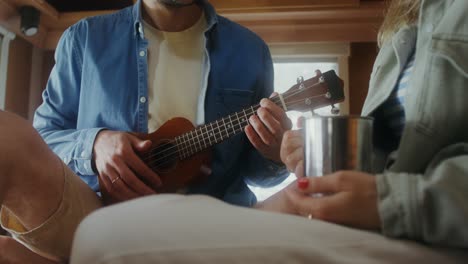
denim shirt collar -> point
(210, 14)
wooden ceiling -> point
(277, 21)
(96, 5)
(88, 5)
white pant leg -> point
(199, 229)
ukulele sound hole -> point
(163, 157)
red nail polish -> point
(303, 183)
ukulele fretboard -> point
(205, 136)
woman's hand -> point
(292, 152)
(348, 198)
(345, 197)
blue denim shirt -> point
(100, 82)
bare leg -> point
(12, 252)
(30, 182)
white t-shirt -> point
(175, 73)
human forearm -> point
(432, 206)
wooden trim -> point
(318, 33)
(355, 24)
(40, 5)
(69, 18)
(343, 69)
(276, 21)
(6, 10)
(52, 39)
(309, 50)
(275, 5)
(364, 12)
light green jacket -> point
(423, 185)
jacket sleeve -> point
(56, 118)
(260, 171)
(430, 207)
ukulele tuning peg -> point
(318, 74)
(300, 80)
(334, 110)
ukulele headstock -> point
(322, 90)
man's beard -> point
(176, 3)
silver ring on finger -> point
(115, 180)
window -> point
(5, 38)
(294, 60)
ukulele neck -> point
(208, 135)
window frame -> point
(338, 52)
(7, 36)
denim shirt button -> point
(142, 99)
(142, 53)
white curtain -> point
(1, 39)
(5, 37)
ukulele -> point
(180, 152)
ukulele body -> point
(178, 173)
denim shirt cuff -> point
(84, 151)
(396, 204)
(276, 167)
(276, 173)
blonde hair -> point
(400, 13)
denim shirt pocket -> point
(454, 49)
(443, 96)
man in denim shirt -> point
(122, 72)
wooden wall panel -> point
(42, 64)
(229, 5)
(361, 62)
(18, 77)
(274, 20)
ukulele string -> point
(199, 137)
(192, 145)
(172, 157)
(197, 143)
(203, 134)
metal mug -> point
(335, 143)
